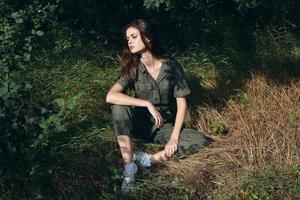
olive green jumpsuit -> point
(137, 121)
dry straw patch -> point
(264, 127)
(265, 120)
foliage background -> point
(59, 58)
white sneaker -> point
(129, 177)
(128, 183)
(143, 158)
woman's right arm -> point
(116, 96)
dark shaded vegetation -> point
(59, 58)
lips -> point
(131, 47)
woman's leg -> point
(190, 140)
(123, 123)
(159, 157)
(123, 126)
(126, 148)
(126, 151)
(146, 160)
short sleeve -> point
(181, 88)
(125, 81)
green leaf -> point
(254, 196)
(43, 110)
(39, 33)
(74, 101)
(60, 102)
(15, 14)
(19, 20)
(157, 3)
(292, 118)
(26, 56)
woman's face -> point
(134, 40)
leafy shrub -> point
(26, 127)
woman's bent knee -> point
(123, 139)
(122, 119)
(120, 110)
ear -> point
(147, 40)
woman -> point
(158, 110)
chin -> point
(133, 52)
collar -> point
(165, 65)
(142, 67)
(165, 69)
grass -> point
(268, 116)
(256, 158)
(259, 158)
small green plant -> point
(56, 122)
(219, 128)
(270, 184)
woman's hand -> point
(171, 147)
(156, 115)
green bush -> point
(26, 126)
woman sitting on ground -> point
(157, 112)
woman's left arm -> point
(171, 146)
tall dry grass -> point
(264, 127)
(264, 123)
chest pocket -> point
(144, 90)
(166, 90)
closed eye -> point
(133, 36)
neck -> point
(148, 59)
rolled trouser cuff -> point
(190, 140)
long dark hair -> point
(130, 61)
